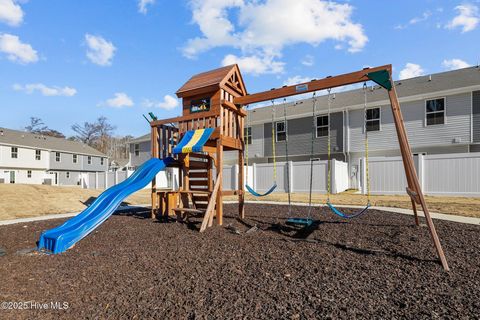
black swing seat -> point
(299, 222)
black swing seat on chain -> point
(299, 222)
(348, 216)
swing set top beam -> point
(314, 85)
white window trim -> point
(286, 130)
(444, 113)
(59, 157)
(136, 149)
(246, 135)
(316, 124)
(75, 158)
(67, 174)
(39, 154)
(29, 174)
(89, 160)
(12, 152)
(379, 119)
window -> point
(89, 160)
(57, 156)
(281, 132)
(136, 148)
(101, 161)
(322, 126)
(435, 111)
(75, 158)
(248, 135)
(38, 155)
(372, 119)
(29, 173)
(14, 153)
(68, 175)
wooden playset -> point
(213, 122)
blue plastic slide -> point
(63, 237)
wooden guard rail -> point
(164, 139)
(228, 121)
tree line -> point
(98, 134)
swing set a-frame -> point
(213, 121)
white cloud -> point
(454, 64)
(467, 18)
(424, 17)
(308, 60)
(263, 28)
(411, 70)
(255, 64)
(119, 100)
(45, 90)
(16, 50)
(168, 103)
(296, 80)
(143, 4)
(100, 51)
(10, 13)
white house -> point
(36, 159)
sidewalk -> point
(434, 215)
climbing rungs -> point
(200, 198)
(203, 174)
(199, 183)
(198, 165)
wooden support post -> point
(219, 206)
(241, 183)
(154, 139)
(411, 172)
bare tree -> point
(37, 126)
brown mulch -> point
(377, 266)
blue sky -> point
(73, 61)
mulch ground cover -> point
(377, 266)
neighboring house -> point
(441, 113)
(36, 159)
(139, 151)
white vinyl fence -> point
(260, 177)
(445, 174)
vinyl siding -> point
(457, 126)
(144, 155)
(300, 136)
(476, 116)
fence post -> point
(96, 179)
(115, 179)
(236, 171)
(106, 180)
(333, 173)
(254, 176)
(363, 176)
(290, 178)
(421, 172)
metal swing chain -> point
(286, 154)
(314, 112)
(367, 173)
(329, 180)
(273, 143)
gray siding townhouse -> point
(441, 113)
(37, 159)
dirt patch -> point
(379, 266)
(27, 200)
